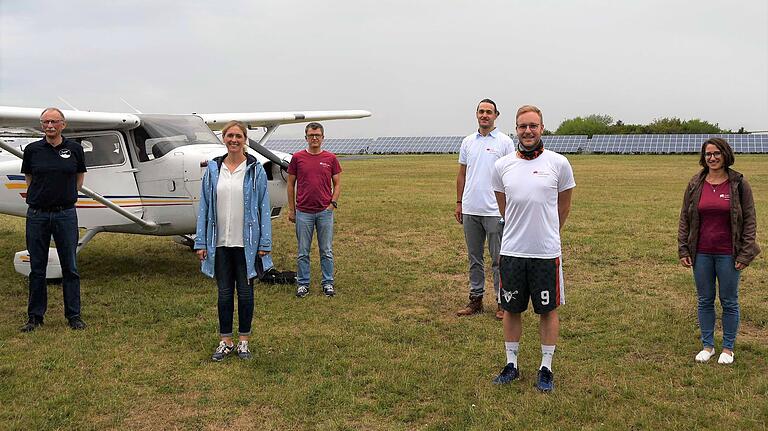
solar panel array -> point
(567, 144)
(668, 144)
(416, 144)
(336, 146)
(286, 145)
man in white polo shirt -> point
(476, 206)
(533, 188)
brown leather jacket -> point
(743, 219)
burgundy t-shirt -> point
(715, 219)
(313, 179)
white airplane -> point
(144, 170)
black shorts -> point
(541, 280)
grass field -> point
(387, 352)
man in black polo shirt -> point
(54, 168)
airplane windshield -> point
(159, 134)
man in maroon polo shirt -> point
(314, 181)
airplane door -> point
(160, 176)
(194, 165)
(111, 175)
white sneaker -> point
(705, 355)
(725, 359)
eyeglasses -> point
(533, 126)
(44, 122)
(314, 136)
(715, 154)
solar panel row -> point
(569, 144)
(667, 144)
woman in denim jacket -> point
(717, 237)
(233, 227)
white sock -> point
(546, 356)
(511, 347)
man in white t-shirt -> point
(533, 188)
(476, 206)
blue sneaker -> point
(243, 352)
(508, 374)
(222, 351)
(545, 382)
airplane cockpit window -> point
(102, 150)
(160, 134)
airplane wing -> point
(77, 121)
(267, 119)
(12, 117)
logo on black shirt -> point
(65, 153)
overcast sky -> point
(419, 65)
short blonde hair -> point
(529, 108)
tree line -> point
(597, 124)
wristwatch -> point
(335, 205)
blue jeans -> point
(706, 269)
(231, 273)
(305, 227)
(62, 226)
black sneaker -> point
(31, 325)
(328, 290)
(508, 374)
(545, 382)
(222, 351)
(302, 291)
(242, 350)
(76, 323)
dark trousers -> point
(62, 226)
(231, 272)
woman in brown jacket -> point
(717, 237)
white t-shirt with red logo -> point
(479, 153)
(532, 222)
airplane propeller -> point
(264, 151)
